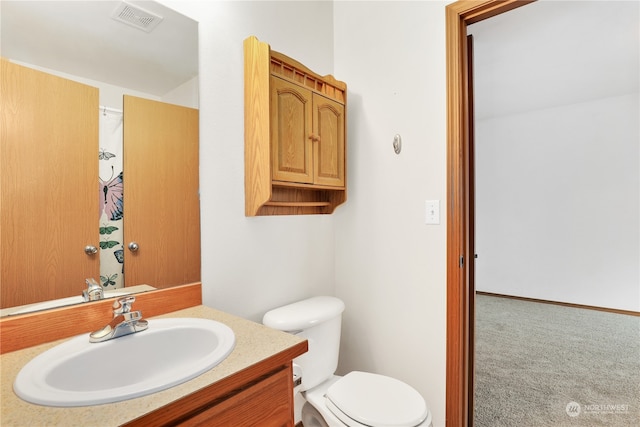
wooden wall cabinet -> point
(295, 132)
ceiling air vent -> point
(136, 17)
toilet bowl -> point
(357, 399)
(361, 399)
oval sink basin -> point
(80, 373)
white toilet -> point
(358, 399)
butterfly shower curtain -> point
(110, 193)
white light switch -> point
(432, 212)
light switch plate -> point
(432, 212)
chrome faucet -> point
(124, 322)
(93, 292)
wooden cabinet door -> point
(291, 137)
(329, 148)
(48, 185)
(161, 193)
(268, 403)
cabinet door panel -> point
(329, 125)
(161, 200)
(291, 144)
(268, 403)
(49, 185)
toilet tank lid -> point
(303, 314)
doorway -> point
(459, 372)
(461, 286)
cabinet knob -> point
(133, 246)
(314, 137)
(90, 250)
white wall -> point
(558, 153)
(250, 265)
(187, 94)
(390, 266)
(375, 251)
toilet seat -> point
(366, 399)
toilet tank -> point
(318, 320)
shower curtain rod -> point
(109, 109)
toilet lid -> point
(377, 400)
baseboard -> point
(564, 304)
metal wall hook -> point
(397, 144)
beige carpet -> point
(543, 365)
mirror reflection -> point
(140, 51)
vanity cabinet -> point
(255, 399)
(267, 402)
(295, 127)
(253, 386)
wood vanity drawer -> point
(267, 403)
(259, 395)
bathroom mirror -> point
(136, 47)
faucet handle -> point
(91, 282)
(123, 305)
(93, 292)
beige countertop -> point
(254, 343)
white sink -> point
(80, 373)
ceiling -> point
(82, 39)
(552, 53)
(568, 51)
